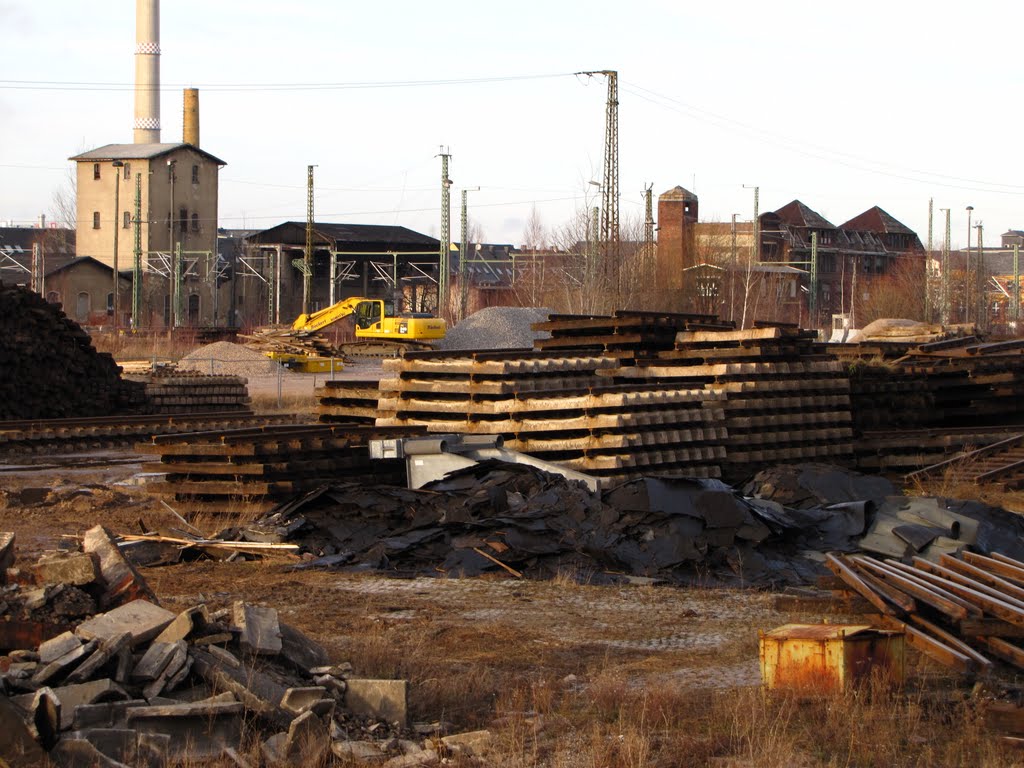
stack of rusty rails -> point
(348, 401)
(560, 408)
(191, 393)
(1001, 462)
(963, 612)
(34, 436)
(252, 470)
(905, 450)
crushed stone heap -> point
(225, 358)
(497, 328)
(50, 368)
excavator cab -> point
(368, 314)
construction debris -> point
(141, 685)
(51, 369)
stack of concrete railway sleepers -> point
(194, 393)
(252, 470)
(564, 407)
(348, 401)
(783, 399)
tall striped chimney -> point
(190, 117)
(147, 71)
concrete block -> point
(186, 622)
(273, 750)
(257, 691)
(199, 730)
(44, 718)
(382, 699)
(108, 714)
(176, 663)
(153, 661)
(308, 740)
(55, 647)
(75, 568)
(259, 628)
(116, 743)
(224, 656)
(35, 599)
(141, 618)
(123, 583)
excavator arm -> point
(332, 314)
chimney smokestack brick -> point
(190, 117)
(147, 72)
(677, 215)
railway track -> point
(1001, 462)
(19, 439)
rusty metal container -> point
(829, 657)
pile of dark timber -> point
(50, 368)
(964, 612)
(192, 393)
(290, 341)
(254, 469)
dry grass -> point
(148, 346)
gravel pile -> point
(497, 328)
(226, 358)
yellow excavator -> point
(379, 333)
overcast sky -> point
(842, 105)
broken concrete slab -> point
(200, 730)
(44, 718)
(17, 744)
(308, 739)
(75, 568)
(36, 598)
(475, 743)
(143, 619)
(257, 691)
(52, 649)
(187, 622)
(154, 660)
(79, 753)
(63, 665)
(172, 669)
(424, 759)
(260, 631)
(360, 751)
(105, 651)
(305, 654)
(108, 714)
(224, 656)
(7, 540)
(116, 743)
(299, 700)
(93, 692)
(123, 582)
(381, 699)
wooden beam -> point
(926, 594)
(952, 640)
(930, 647)
(993, 565)
(1006, 651)
(854, 581)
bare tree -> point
(64, 201)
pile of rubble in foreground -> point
(139, 685)
(496, 517)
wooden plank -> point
(901, 600)
(998, 608)
(940, 601)
(1008, 652)
(929, 646)
(951, 640)
(853, 580)
(989, 628)
(1005, 586)
(955, 578)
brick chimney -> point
(677, 215)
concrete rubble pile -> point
(114, 679)
(51, 370)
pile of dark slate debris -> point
(496, 517)
(112, 679)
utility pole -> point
(944, 299)
(968, 281)
(464, 256)
(757, 222)
(980, 282)
(177, 285)
(928, 267)
(307, 256)
(137, 254)
(1016, 285)
(446, 236)
(609, 242)
(648, 223)
(38, 273)
(170, 242)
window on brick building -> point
(95, 219)
(95, 170)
